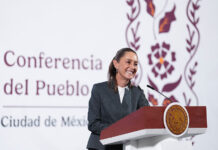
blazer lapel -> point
(115, 97)
(126, 104)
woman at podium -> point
(114, 99)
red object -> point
(152, 118)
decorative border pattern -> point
(162, 55)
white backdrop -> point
(52, 52)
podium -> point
(157, 128)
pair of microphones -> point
(158, 91)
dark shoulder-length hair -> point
(112, 70)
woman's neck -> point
(121, 82)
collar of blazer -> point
(114, 86)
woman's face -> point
(127, 66)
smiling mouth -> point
(130, 72)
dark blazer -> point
(105, 109)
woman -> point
(114, 99)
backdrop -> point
(52, 52)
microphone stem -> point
(163, 95)
(158, 92)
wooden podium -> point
(146, 129)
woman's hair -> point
(112, 70)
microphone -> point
(158, 92)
